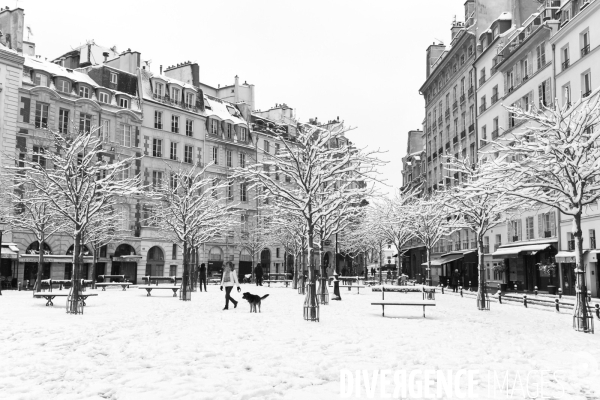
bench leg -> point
(49, 301)
(124, 286)
(174, 292)
(423, 311)
(104, 288)
(382, 310)
(83, 300)
(148, 290)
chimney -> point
(456, 27)
(434, 51)
(105, 54)
(161, 69)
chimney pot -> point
(161, 69)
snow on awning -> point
(513, 252)
(445, 259)
(565, 257)
(8, 253)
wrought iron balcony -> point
(585, 51)
(455, 139)
(495, 134)
(455, 105)
(471, 128)
(481, 80)
(482, 108)
(471, 91)
(565, 64)
(447, 113)
(494, 98)
(462, 98)
(586, 94)
(463, 134)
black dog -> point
(254, 300)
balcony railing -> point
(497, 245)
(463, 134)
(482, 108)
(440, 120)
(428, 159)
(585, 51)
(486, 249)
(448, 146)
(471, 91)
(495, 98)
(447, 113)
(471, 128)
(481, 80)
(434, 155)
(455, 139)
(510, 89)
(525, 78)
(565, 64)
(547, 234)
(455, 105)
(592, 243)
(462, 98)
(495, 134)
(586, 94)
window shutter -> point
(506, 83)
(553, 223)
(530, 64)
(548, 93)
(541, 225)
(543, 51)
(510, 232)
(541, 96)
(520, 229)
(517, 75)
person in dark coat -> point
(202, 276)
(258, 272)
(455, 281)
(344, 271)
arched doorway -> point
(127, 268)
(265, 260)
(83, 273)
(289, 264)
(245, 264)
(215, 261)
(31, 268)
(155, 262)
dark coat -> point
(258, 271)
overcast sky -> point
(363, 61)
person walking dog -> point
(202, 276)
(228, 280)
(258, 273)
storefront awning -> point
(565, 257)
(445, 259)
(514, 251)
(8, 253)
(131, 258)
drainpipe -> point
(554, 75)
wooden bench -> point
(350, 287)
(286, 281)
(103, 285)
(49, 296)
(156, 279)
(424, 303)
(149, 288)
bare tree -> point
(555, 161)
(481, 204)
(79, 183)
(253, 234)
(190, 211)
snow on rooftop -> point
(224, 111)
(57, 70)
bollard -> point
(19, 286)
(515, 287)
(525, 300)
(469, 286)
(442, 288)
(500, 297)
(557, 306)
(461, 293)
(598, 310)
(559, 293)
(535, 290)
(589, 295)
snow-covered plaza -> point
(130, 346)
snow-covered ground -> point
(129, 346)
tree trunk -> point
(94, 262)
(185, 291)
(74, 306)
(582, 320)
(428, 271)
(38, 280)
(311, 303)
(481, 287)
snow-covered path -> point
(129, 346)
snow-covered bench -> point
(383, 302)
(150, 288)
(350, 287)
(49, 296)
(103, 285)
(156, 279)
(286, 281)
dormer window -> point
(84, 91)
(175, 94)
(214, 127)
(64, 86)
(189, 99)
(158, 90)
(229, 131)
(113, 78)
(123, 102)
(40, 79)
(104, 97)
(243, 134)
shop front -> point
(125, 262)
(460, 263)
(9, 254)
(529, 266)
(566, 261)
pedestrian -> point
(229, 279)
(202, 276)
(455, 281)
(344, 271)
(258, 272)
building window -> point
(229, 126)
(158, 121)
(174, 252)
(243, 134)
(64, 86)
(188, 154)
(157, 177)
(242, 160)
(85, 123)
(592, 239)
(41, 80)
(544, 94)
(41, 115)
(173, 151)
(230, 190)
(215, 155)
(243, 192)
(175, 95)
(267, 147)
(63, 121)
(228, 156)
(566, 90)
(113, 78)
(38, 156)
(105, 130)
(189, 127)
(586, 83)
(84, 91)
(158, 90)
(529, 228)
(125, 138)
(214, 127)
(498, 242)
(175, 123)
(486, 244)
(540, 52)
(189, 100)
(157, 147)
(123, 174)
(103, 97)
(123, 102)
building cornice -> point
(13, 59)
